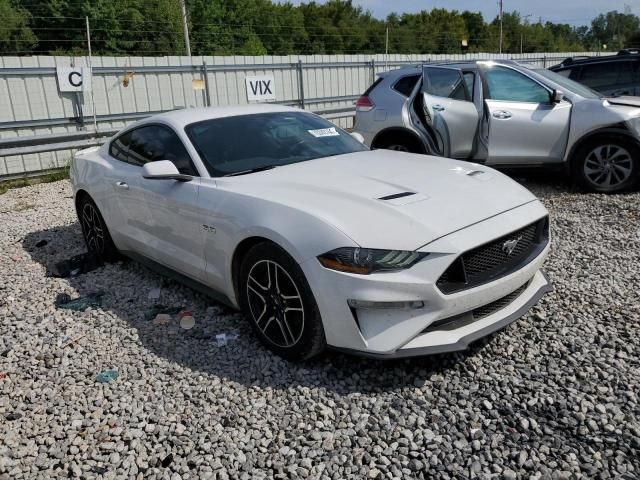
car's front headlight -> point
(634, 123)
(369, 260)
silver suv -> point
(505, 114)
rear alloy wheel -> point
(276, 298)
(397, 147)
(607, 165)
(94, 230)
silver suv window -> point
(448, 83)
(508, 85)
(406, 84)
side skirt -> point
(179, 277)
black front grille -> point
(499, 304)
(495, 259)
(464, 319)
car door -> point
(171, 218)
(449, 111)
(523, 125)
(121, 197)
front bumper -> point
(443, 341)
(390, 333)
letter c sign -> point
(72, 79)
(75, 79)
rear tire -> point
(275, 297)
(400, 142)
(94, 230)
(607, 165)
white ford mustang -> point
(319, 241)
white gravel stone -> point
(555, 395)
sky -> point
(574, 12)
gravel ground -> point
(555, 395)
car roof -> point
(622, 55)
(186, 116)
(471, 64)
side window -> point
(511, 86)
(446, 82)
(120, 146)
(153, 143)
(600, 75)
(626, 74)
(406, 84)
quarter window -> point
(120, 147)
(153, 143)
(406, 84)
(511, 86)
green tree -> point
(613, 28)
(15, 34)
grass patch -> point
(52, 176)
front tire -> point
(94, 230)
(607, 165)
(276, 299)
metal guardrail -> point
(87, 138)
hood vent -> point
(397, 195)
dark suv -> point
(611, 75)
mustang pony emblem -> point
(510, 245)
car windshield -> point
(249, 143)
(568, 85)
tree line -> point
(260, 27)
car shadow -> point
(549, 177)
(126, 285)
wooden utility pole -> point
(185, 27)
(500, 26)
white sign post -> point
(74, 79)
(260, 88)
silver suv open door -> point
(449, 110)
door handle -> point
(122, 185)
(438, 108)
(502, 114)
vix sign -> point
(260, 88)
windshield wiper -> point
(251, 170)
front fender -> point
(619, 129)
(301, 234)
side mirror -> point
(357, 136)
(557, 96)
(163, 170)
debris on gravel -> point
(553, 396)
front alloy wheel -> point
(275, 303)
(607, 165)
(275, 297)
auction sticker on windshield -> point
(324, 132)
